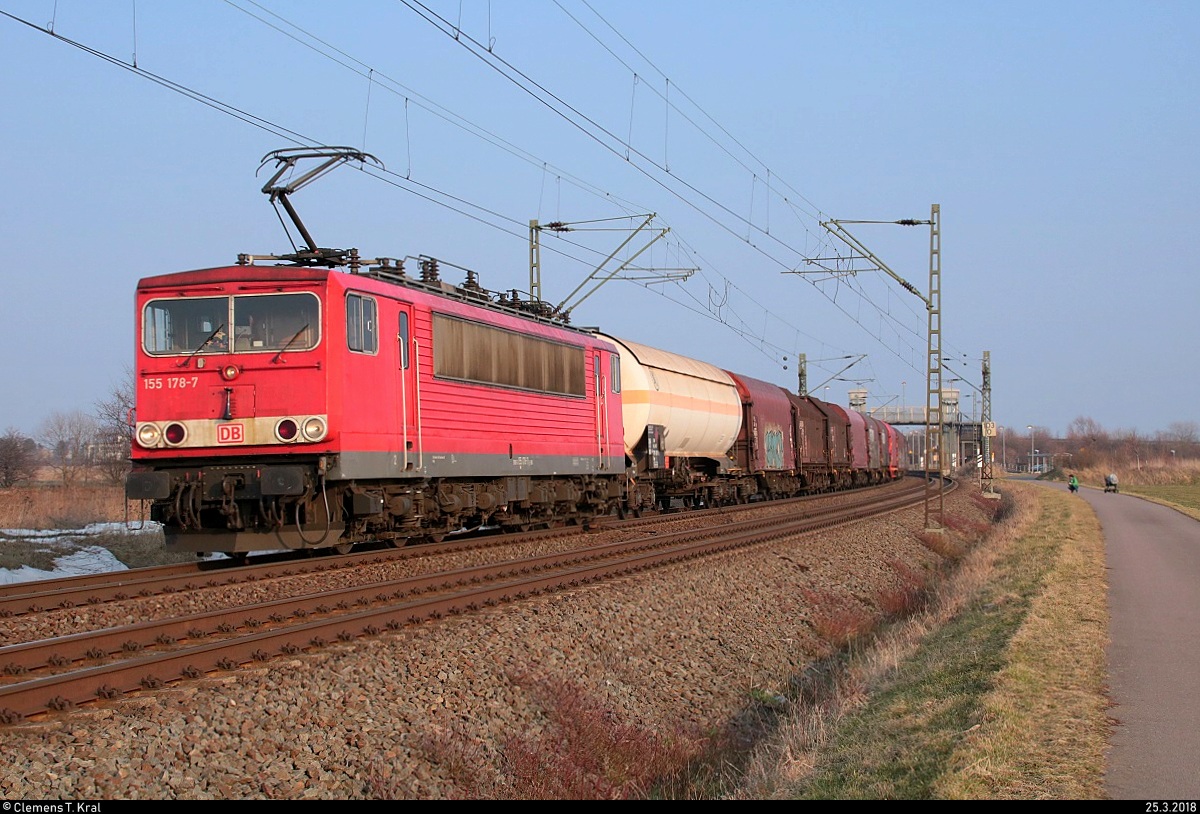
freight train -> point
(291, 406)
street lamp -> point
(1030, 428)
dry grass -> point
(62, 507)
(972, 697)
(1148, 473)
(72, 508)
(1045, 728)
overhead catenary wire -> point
(515, 227)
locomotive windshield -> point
(260, 323)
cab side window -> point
(362, 334)
(403, 337)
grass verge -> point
(1182, 496)
(996, 691)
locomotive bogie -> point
(243, 508)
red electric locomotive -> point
(290, 407)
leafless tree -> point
(1133, 448)
(69, 437)
(114, 428)
(1183, 432)
(1087, 441)
(18, 458)
(1087, 431)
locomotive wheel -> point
(344, 548)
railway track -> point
(45, 676)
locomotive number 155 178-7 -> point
(170, 382)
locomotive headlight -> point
(229, 372)
(286, 430)
(313, 429)
(148, 435)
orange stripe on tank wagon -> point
(680, 402)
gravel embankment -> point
(678, 649)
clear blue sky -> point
(1059, 139)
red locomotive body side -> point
(460, 418)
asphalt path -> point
(1153, 555)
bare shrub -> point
(114, 429)
(587, 752)
(971, 528)
(461, 756)
(836, 618)
(909, 594)
(942, 544)
(18, 458)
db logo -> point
(231, 434)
